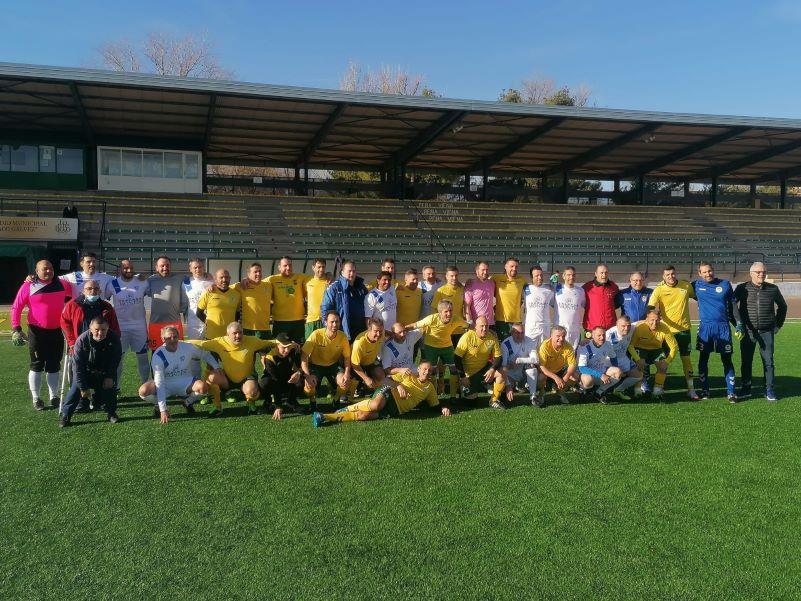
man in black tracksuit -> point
(763, 310)
(282, 379)
(97, 354)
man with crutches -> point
(44, 297)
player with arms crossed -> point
(571, 301)
(173, 374)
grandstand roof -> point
(272, 125)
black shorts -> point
(370, 370)
(238, 385)
(46, 347)
(294, 329)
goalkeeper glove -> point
(18, 339)
(554, 279)
(739, 332)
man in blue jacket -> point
(633, 300)
(346, 297)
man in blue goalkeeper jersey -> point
(633, 300)
(716, 309)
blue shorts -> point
(714, 338)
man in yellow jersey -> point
(650, 341)
(315, 289)
(257, 296)
(365, 359)
(672, 299)
(558, 364)
(289, 294)
(400, 394)
(237, 354)
(410, 299)
(219, 305)
(437, 343)
(453, 292)
(508, 297)
(478, 362)
(326, 355)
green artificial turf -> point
(674, 500)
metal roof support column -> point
(686, 189)
(752, 193)
(543, 188)
(484, 177)
(616, 194)
(640, 189)
(783, 193)
(402, 182)
(565, 184)
(466, 192)
(298, 191)
(305, 179)
(203, 168)
(713, 192)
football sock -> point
(53, 380)
(35, 383)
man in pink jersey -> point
(45, 298)
(479, 295)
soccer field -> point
(672, 500)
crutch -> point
(66, 372)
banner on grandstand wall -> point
(38, 228)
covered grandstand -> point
(133, 152)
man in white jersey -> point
(127, 294)
(172, 374)
(538, 304)
(195, 284)
(76, 279)
(397, 354)
(570, 303)
(429, 285)
(381, 301)
(619, 337)
(519, 359)
(597, 364)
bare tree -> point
(190, 56)
(387, 80)
(544, 90)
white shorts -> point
(194, 329)
(134, 339)
(574, 336)
(179, 387)
(538, 335)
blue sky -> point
(707, 57)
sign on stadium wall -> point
(38, 228)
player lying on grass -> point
(173, 365)
(400, 394)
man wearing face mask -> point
(127, 294)
(97, 354)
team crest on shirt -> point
(719, 289)
(290, 290)
(488, 344)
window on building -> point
(132, 163)
(47, 159)
(190, 161)
(110, 162)
(152, 163)
(172, 165)
(70, 160)
(25, 158)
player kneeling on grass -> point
(326, 356)
(237, 354)
(519, 360)
(96, 356)
(597, 364)
(401, 394)
(478, 363)
(619, 337)
(365, 358)
(648, 343)
(557, 364)
(172, 374)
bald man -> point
(219, 305)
